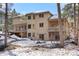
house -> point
(39, 25)
(19, 26)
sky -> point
(24, 8)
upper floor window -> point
(22, 27)
(33, 16)
(29, 26)
(41, 15)
(25, 27)
(41, 25)
(29, 17)
(33, 26)
(16, 28)
(19, 28)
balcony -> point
(50, 29)
(18, 30)
(53, 29)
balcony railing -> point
(18, 30)
(55, 28)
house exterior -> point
(39, 26)
(19, 26)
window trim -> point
(29, 25)
(41, 15)
(29, 35)
(33, 16)
(41, 24)
(41, 36)
(29, 17)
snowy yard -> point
(27, 47)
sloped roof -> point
(53, 17)
(39, 11)
(17, 16)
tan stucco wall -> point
(39, 30)
(36, 29)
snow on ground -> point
(29, 48)
(14, 36)
(30, 51)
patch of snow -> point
(54, 17)
(1, 32)
(27, 48)
(18, 38)
(24, 43)
(2, 10)
(14, 36)
(2, 37)
(28, 51)
(40, 11)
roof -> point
(18, 16)
(54, 18)
(40, 11)
(37, 12)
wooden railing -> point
(55, 28)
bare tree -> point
(78, 24)
(75, 23)
(6, 24)
(60, 26)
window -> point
(41, 15)
(33, 26)
(29, 17)
(25, 27)
(56, 37)
(29, 34)
(29, 26)
(16, 28)
(22, 27)
(41, 36)
(33, 16)
(41, 24)
(33, 34)
(19, 28)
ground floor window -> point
(41, 36)
(33, 34)
(56, 37)
(29, 34)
